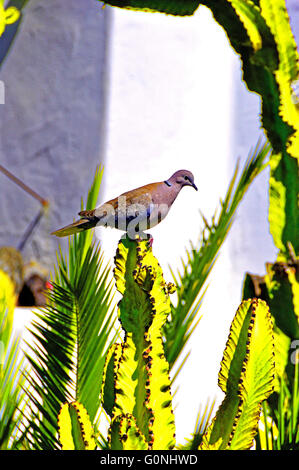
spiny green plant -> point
(75, 429)
(280, 289)
(120, 357)
(140, 372)
(246, 376)
(136, 389)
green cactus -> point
(137, 367)
(75, 429)
(125, 435)
(246, 377)
(280, 289)
(136, 389)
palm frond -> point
(11, 383)
(203, 420)
(279, 430)
(191, 278)
(71, 335)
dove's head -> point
(182, 178)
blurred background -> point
(144, 95)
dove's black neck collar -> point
(168, 184)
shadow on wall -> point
(52, 122)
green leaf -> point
(85, 240)
(246, 377)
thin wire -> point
(24, 186)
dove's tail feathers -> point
(76, 227)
